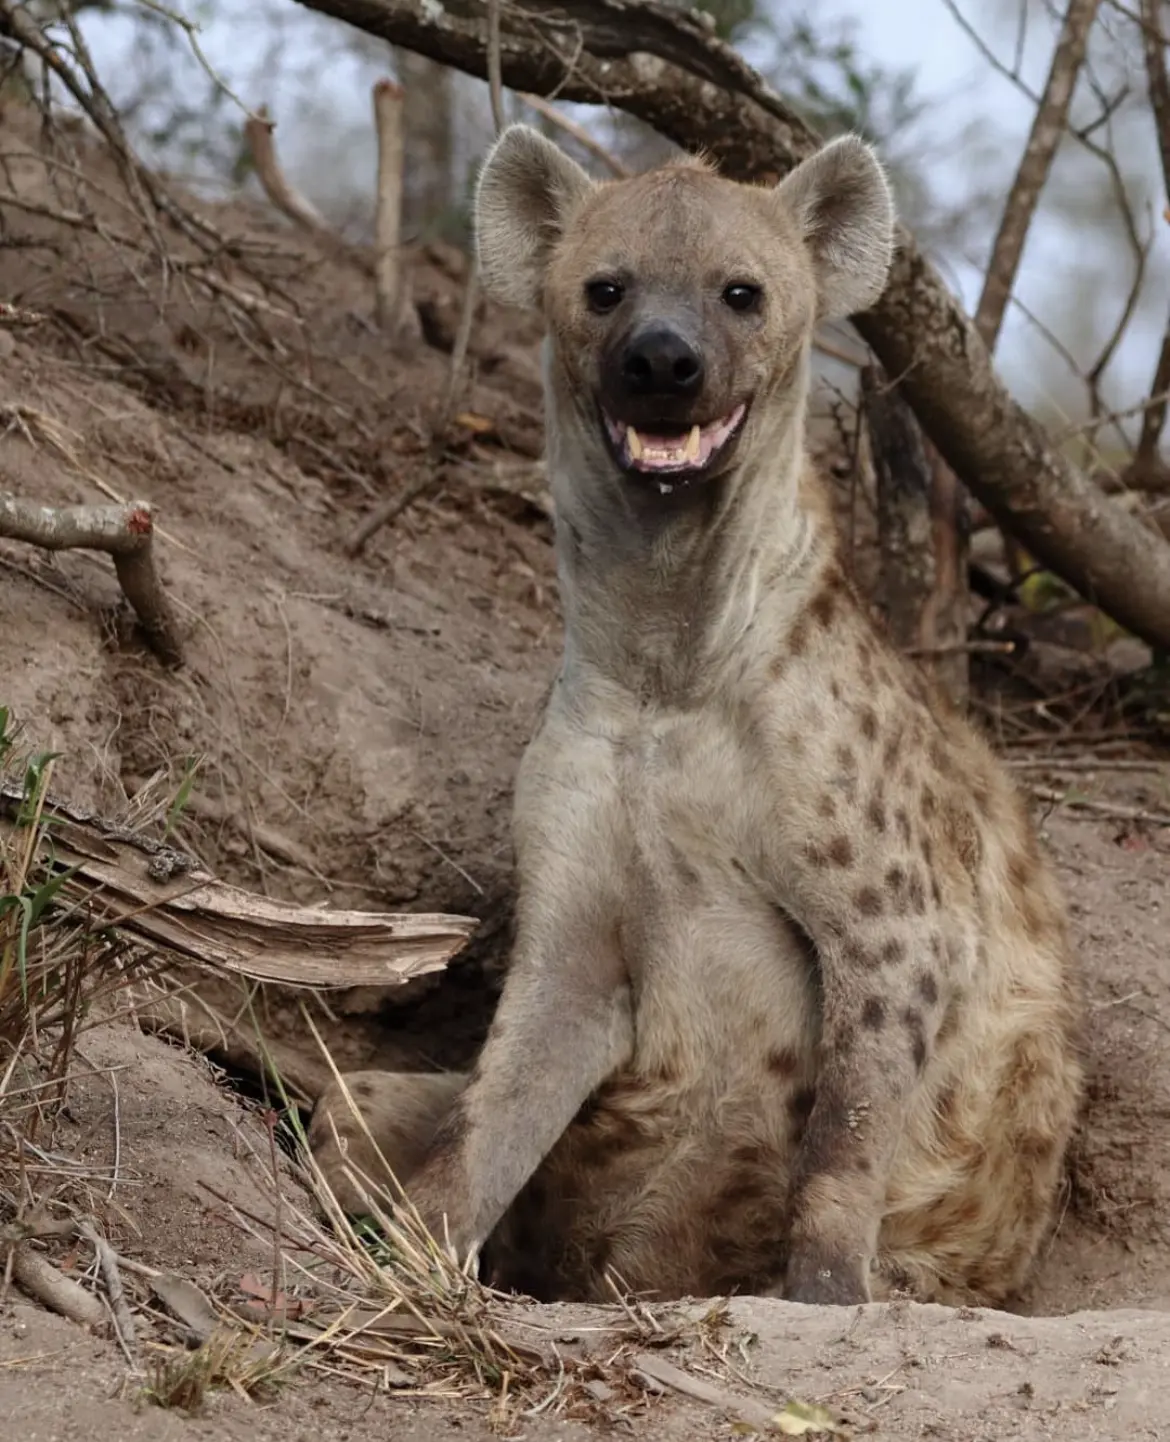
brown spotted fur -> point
(791, 1007)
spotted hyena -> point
(791, 1007)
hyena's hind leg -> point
(402, 1112)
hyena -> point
(791, 1007)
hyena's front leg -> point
(883, 991)
(564, 1022)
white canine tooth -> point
(691, 450)
(634, 441)
(664, 488)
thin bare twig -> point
(576, 132)
(126, 533)
(1048, 125)
(1154, 48)
(390, 278)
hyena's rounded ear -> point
(528, 189)
(842, 202)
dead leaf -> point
(477, 425)
(184, 1300)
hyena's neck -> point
(670, 611)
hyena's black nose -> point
(658, 361)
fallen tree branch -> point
(162, 896)
(125, 532)
(666, 67)
(35, 1274)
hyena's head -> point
(679, 305)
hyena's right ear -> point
(527, 192)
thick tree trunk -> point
(666, 68)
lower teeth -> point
(664, 488)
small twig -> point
(1101, 808)
(578, 133)
(125, 532)
(965, 648)
(108, 1262)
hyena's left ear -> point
(842, 202)
(527, 192)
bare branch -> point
(258, 130)
(664, 66)
(391, 285)
(1154, 48)
(1048, 126)
(125, 532)
(577, 133)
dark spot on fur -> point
(800, 1103)
(782, 1062)
(903, 821)
(935, 891)
(798, 636)
(896, 878)
(927, 987)
(916, 893)
(927, 848)
(843, 1039)
(912, 1020)
(938, 756)
(841, 851)
(890, 750)
(893, 951)
(873, 1013)
(823, 607)
(875, 814)
(869, 901)
(846, 759)
(777, 666)
(869, 723)
(862, 1163)
(834, 690)
(827, 807)
(794, 743)
(928, 803)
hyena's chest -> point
(722, 981)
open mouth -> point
(675, 458)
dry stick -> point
(126, 533)
(108, 1262)
(1100, 808)
(675, 75)
(578, 133)
(37, 1276)
(1048, 126)
(390, 510)
(259, 135)
(391, 282)
(1154, 47)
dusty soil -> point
(356, 724)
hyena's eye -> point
(603, 295)
(742, 296)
